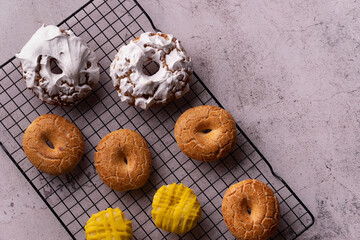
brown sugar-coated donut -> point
(123, 160)
(250, 210)
(67, 141)
(205, 133)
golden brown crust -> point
(256, 196)
(196, 142)
(65, 137)
(123, 160)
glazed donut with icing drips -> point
(78, 69)
(170, 82)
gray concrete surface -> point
(288, 71)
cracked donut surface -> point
(205, 133)
(66, 139)
(123, 160)
(77, 72)
(170, 82)
(251, 210)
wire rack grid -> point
(106, 25)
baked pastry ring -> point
(67, 141)
(251, 210)
(170, 82)
(123, 160)
(205, 133)
(109, 224)
(175, 208)
(78, 71)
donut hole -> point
(150, 67)
(206, 126)
(54, 66)
(38, 66)
(50, 144)
(120, 157)
(248, 210)
(206, 130)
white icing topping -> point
(80, 71)
(170, 82)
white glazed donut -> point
(170, 82)
(78, 64)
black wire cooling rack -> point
(106, 25)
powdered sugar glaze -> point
(78, 64)
(170, 82)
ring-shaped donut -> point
(123, 160)
(205, 133)
(58, 66)
(142, 89)
(176, 208)
(67, 144)
(251, 210)
(109, 224)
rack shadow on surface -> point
(106, 25)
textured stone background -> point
(287, 70)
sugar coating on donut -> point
(251, 210)
(79, 69)
(170, 82)
(205, 133)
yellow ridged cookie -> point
(175, 208)
(110, 224)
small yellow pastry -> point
(175, 208)
(110, 224)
